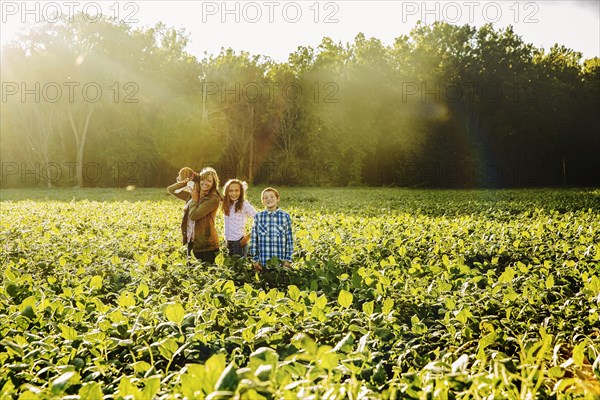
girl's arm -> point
(198, 210)
(185, 196)
(248, 209)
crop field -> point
(393, 293)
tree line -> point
(106, 104)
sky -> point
(277, 28)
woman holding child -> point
(200, 192)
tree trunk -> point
(80, 138)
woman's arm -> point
(198, 210)
(183, 195)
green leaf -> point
(417, 326)
(117, 317)
(509, 296)
(67, 332)
(402, 251)
(96, 282)
(550, 282)
(151, 387)
(463, 315)
(28, 312)
(219, 259)
(579, 353)
(344, 344)
(9, 274)
(194, 382)
(556, 372)
(414, 320)
(329, 361)
(345, 298)
(388, 306)
(228, 380)
(142, 290)
(126, 299)
(446, 261)
(303, 341)
(593, 285)
(321, 302)
(507, 276)
(175, 313)
(293, 292)
(167, 348)
(60, 384)
(368, 307)
(263, 356)
(229, 288)
(214, 366)
(141, 367)
(318, 313)
(126, 388)
(91, 391)
(248, 333)
(488, 339)
(264, 372)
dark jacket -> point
(204, 213)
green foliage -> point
(445, 106)
(392, 294)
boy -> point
(271, 233)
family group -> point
(270, 241)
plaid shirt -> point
(271, 237)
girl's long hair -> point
(227, 200)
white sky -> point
(277, 28)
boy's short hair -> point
(269, 189)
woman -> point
(199, 213)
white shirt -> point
(191, 225)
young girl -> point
(199, 212)
(236, 209)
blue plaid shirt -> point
(271, 236)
